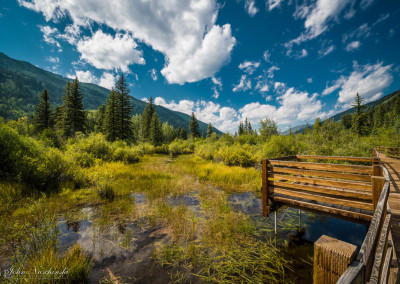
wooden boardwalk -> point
(393, 167)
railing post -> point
(265, 188)
(377, 185)
(331, 259)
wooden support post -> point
(265, 188)
(331, 259)
(377, 170)
(377, 185)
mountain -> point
(368, 106)
(338, 116)
(21, 84)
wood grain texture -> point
(337, 158)
(325, 167)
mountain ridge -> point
(21, 84)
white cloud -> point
(195, 47)
(107, 80)
(272, 4)
(267, 56)
(279, 86)
(153, 74)
(52, 59)
(243, 85)
(217, 86)
(104, 51)
(250, 6)
(84, 76)
(271, 71)
(368, 80)
(366, 3)
(48, 36)
(325, 50)
(217, 82)
(353, 45)
(309, 80)
(249, 66)
(318, 16)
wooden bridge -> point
(362, 189)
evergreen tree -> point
(146, 119)
(317, 124)
(42, 117)
(183, 135)
(194, 127)
(246, 126)
(241, 129)
(125, 131)
(209, 130)
(74, 114)
(111, 125)
(249, 128)
(100, 117)
(58, 117)
(347, 120)
(359, 118)
(156, 136)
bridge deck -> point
(393, 167)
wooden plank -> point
(265, 188)
(367, 248)
(377, 186)
(340, 192)
(322, 208)
(327, 182)
(338, 158)
(380, 251)
(350, 203)
(325, 167)
(354, 274)
(353, 177)
(386, 266)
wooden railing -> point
(340, 189)
(392, 152)
(349, 190)
(372, 263)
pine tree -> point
(249, 128)
(100, 117)
(347, 120)
(111, 125)
(194, 127)
(156, 136)
(125, 131)
(359, 118)
(246, 126)
(42, 117)
(240, 129)
(146, 119)
(209, 130)
(74, 114)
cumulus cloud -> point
(367, 80)
(250, 6)
(84, 76)
(195, 47)
(249, 66)
(107, 80)
(54, 60)
(272, 4)
(243, 85)
(271, 71)
(326, 48)
(217, 87)
(104, 51)
(353, 45)
(267, 56)
(309, 80)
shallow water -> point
(126, 246)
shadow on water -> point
(297, 231)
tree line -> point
(114, 119)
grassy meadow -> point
(75, 203)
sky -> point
(290, 61)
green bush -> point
(280, 146)
(105, 190)
(163, 149)
(126, 155)
(236, 155)
(179, 146)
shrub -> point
(236, 155)
(105, 190)
(126, 155)
(179, 146)
(163, 149)
(280, 146)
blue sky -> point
(291, 61)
